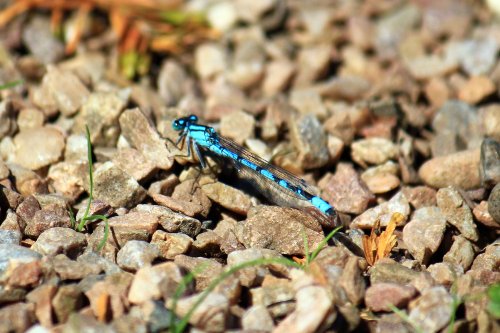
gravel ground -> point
(390, 109)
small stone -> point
(383, 212)
(382, 178)
(134, 163)
(346, 191)
(489, 167)
(457, 212)
(248, 64)
(60, 240)
(171, 244)
(210, 315)
(445, 273)
(428, 66)
(278, 74)
(27, 182)
(17, 317)
(68, 269)
(115, 287)
(308, 295)
(132, 226)
(211, 269)
(10, 237)
(76, 148)
(373, 151)
(15, 253)
(68, 178)
(136, 254)
(89, 66)
(10, 294)
(97, 207)
(171, 221)
(476, 56)
(424, 233)
(432, 310)
(30, 118)
(494, 203)
(309, 139)
(352, 281)
(154, 282)
(420, 196)
(100, 114)
(173, 83)
(139, 132)
(185, 207)
(257, 318)
(210, 60)
(437, 91)
(38, 147)
(67, 300)
(189, 192)
(476, 89)
(65, 89)
(277, 297)
(312, 62)
(461, 253)
(252, 276)
(488, 260)
(393, 273)
(279, 229)
(490, 120)
(382, 296)
(222, 15)
(24, 275)
(39, 38)
(208, 244)
(238, 126)
(228, 197)
(437, 173)
(115, 187)
(42, 298)
(483, 216)
(308, 102)
(47, 218)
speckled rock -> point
(373, 151)
(16, 253)
(171, 244)
(494, 203)
(228, 197)
(172, 221)
(60, 240)
(381, 296)
(136, 254)
(397, 204)
(461, 253)
(432, 310)
(237, 126)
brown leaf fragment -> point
(379, 244)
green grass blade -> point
(12, 84)
(323, 243)
(181, 326)
(494, 300)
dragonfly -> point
(285, 188)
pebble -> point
(171, 244)
(222, 15)
(257, 318)
(136, 254)
(134, 163)
(10, 237)
(139, 132)
(346, 191)
(237, 126)
(171, 221)
(476, 56)
(489, 167)
(207, 244)
(265, 227)
(211, 269)
(30, 118)
(352, 281)
(420, 196)
(494, 203)
(210, 59)
(490, 121)
(424, 232)
(228, 197)
(278, 297)
(60, 240)
(488, 260)
(47, 218)
(312, 62)
(392, 272)
(482, 215)
(67, 300)
(15, 253)
(248, 64)
(65, 89)
(461, 253)
(67, 178)
(42, 297)
(68, 269)
(278, 74)
(39, 38)
(382, 296)
(210, 315)
(17, 317)
(189, 192)
(432, 310)
(437, 173)
(476, 89)
(308, 295)
(437, 91)
(373, 151)
(116, 287)
(348, 87)
(457, 212)
(38, 147)
(76, 148)
(173, 82)
(79, 322)
(308, 102)
(154, 282)
(115, 187)
(445, 273)
(382, 178)
(132, 226)
(383, 212)
(100, 113)
(428, 66)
